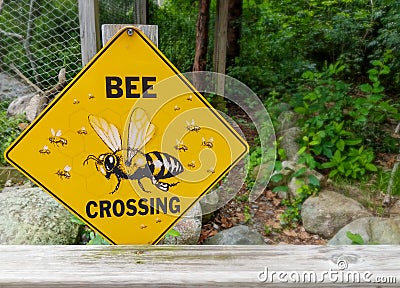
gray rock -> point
(286, 120)
(189, 227)
(31, 216)
(289, 144)
(11, 88)
(373, 230)
(238, 235)
(209, 203)
(328, 212)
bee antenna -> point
(90, 157)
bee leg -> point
(142, 187)
(162, 186)
(116, 187)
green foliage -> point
(308, 185)
(334, 114)
(356, 239)
(176, 22)
(9, 129)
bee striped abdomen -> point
(163, 165)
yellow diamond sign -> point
(125, 147)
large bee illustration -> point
(130, 162)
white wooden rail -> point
(198, 266)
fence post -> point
(220, 40)
(89, 29)
(141, 11)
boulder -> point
(31, 216)
(328, 212)
(373, 230)
(238, 235)
(289, 144)
(286, 120)
(189, 228)
(11, 88)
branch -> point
(10, 34)
(29, 36)
(1, 4)
(23, 77)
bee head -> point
(109, 160)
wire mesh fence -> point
(41, 38)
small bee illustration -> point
(191, 126)
(76, 101)
(131, 163)
(64, 173)
(44, 150)
(189, 98)
(192, 164)
(176, 108)
(180, 146)
(142, 226)
(207, 143)
(56, 138)
(158, 220)
(211, 170)
(82, 131)
(90, 96)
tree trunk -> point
(234, 28)
(200, 58)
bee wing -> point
(53, 132)
(211, 139)
(140, 130)
(58, 134)
(45, 147)
(107, 132)
(67, 168)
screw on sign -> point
(123, 152)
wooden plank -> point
(141, 11)
(194, 266)
(89, 29)
(109, 30)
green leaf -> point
(328, 165)
(340, 144)
(299, 172)
(355, 238)
(313, 180)
(366, 88)
(352, 142)
(280, 189)
(301, 151)
(173, 233)
(276, 177)
(371, 167)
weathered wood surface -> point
(141, 11)
(89, 29)
(109, 30)
(189, 266)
